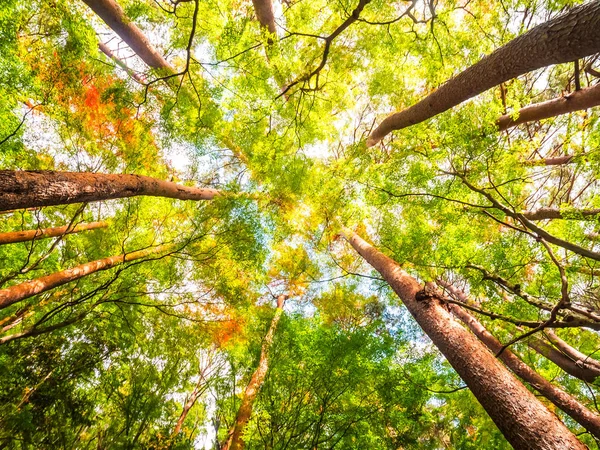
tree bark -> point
(235, 441)
(575, 101)
(554, 213)
(579, 358)
(23, 189)
(19, 292)
(524, 421)
(577, 411)
(30, 235)
(264, 14)
(555, 161)
(112, 14)
(581, 371)
(570, 36)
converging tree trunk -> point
(23, 189)
(577, 411)
(45, 233)
(525, 422)
(264, 14)
(114, 16)
(191, 401)
(571, 367)
(575, 101)
(235, 441)
(19, 292)
(555, 213)
(579, 358)
(570, 36)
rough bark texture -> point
(560, 398)
(571, 367)
(579, 358)
(523, 420)
(235, 441)
(29, 235)
(554, 213)
(264, 14)
(583, 99)
(568, 37)
(23, 189)
(19, 292)
(112, 14)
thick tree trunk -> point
(19, 292)
(112, 14)
(30, 235)
(579, 358)
(560, 398)
(554, 213)
(568, 37)
(23, 189)
(571, 367)
(235, 441)
(523, 420)
(264, 14)
(575, 101)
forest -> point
(299, 224)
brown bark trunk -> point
(235, 441)
(568, 37)
(554, 213)
(19, 292)
(22, 189)
(579, 358)
(188, 405)
(556, 161)
(558, 397)
(112, 14)
(29, 235)
(571, 367)
(264, 14)
(575, 101)
(523, 420)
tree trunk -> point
(23, 189)
(19, 292)
(579, 358)
(570, 36)
(112, 14)
(188, 405)
(583, 99)
(556, 161)
(554, 213)
(235, 441)
(524, 421)
(264, 14)
(583, 372)
(560, 398)
(30, 235)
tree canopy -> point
(212, 214)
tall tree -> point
(24, 189)
(30, 235)
(523, 420)
(568, 37)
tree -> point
(566, 38)
(29, 235)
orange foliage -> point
(229, 329)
